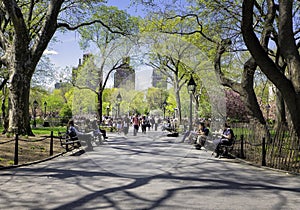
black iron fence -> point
(279, 150)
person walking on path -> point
(126, 122)
(144, 124)
(136, 124)
(119, 126)
(156, 122)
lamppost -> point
(45, 106)
(35, 105)
(175, 112)
(191, 86)
(164, 108)
(119, 100)
(114, 112)
(107, 111)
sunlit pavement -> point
(147, 171)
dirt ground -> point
(30, 149)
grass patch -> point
(46, 131)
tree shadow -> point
(187, 177)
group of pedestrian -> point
(138, 122)
(145, 123)
(198, 137)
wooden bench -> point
(69, 143)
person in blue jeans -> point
(201, 135)
(226, 139)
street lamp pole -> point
(164, 108)
(191, 89)
(45, 106)
(191, 113)
(175, 112)
(119, 100)
(35, 105)
(107, 111)
(114, 112)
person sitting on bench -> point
(194, 137)
(202, 135)
(226, 139)
(75, 134)
(98, 130)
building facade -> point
(124, 77)
(159, 80)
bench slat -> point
(65, 141)
(70, 142)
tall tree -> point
(214, 26)
(288, 84)
(89, 77)
(111, 47)
(26, 28)
(176, 71)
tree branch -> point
(3, 41)
(15, 13)
(257, 51)
(115, 67)
(192, 32)
(83, 88)
(47, 30)
(30, 12)
(72, 28)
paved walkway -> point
(149, 171)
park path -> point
(148, 171)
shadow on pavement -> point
(79, 183)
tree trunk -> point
(99, 106)
(245, 88)
(19, 99)
(178, 101)
(4, 110)
(280, 112)
(177, 96)
(247, 92)
(196, 107)
(289, 88)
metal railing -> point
(280, 151)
